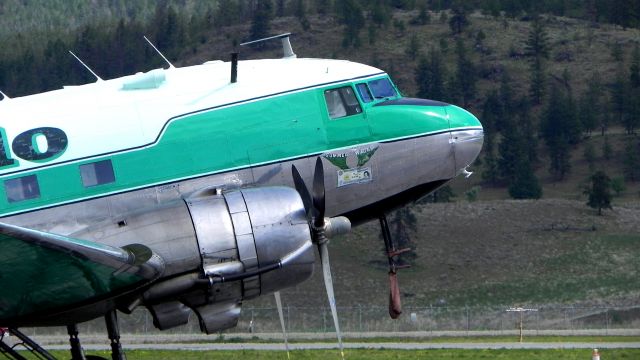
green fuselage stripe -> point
(264, 131)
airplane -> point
(194, 189)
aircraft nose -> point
(467, 136)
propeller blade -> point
(301, 188)
(328, 283)
(318, 193)
(395, 307)
(281, 314)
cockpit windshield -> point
(376, 89)
(382, 88)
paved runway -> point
(356, 345)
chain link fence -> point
(369, 319)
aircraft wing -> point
(42, 272)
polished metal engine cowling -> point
(219, 248)
(262, 231)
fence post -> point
(360, 317)
(324, 320)
(288, 319)
(468, 320)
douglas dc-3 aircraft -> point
(195, 189)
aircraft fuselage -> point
(107, 152)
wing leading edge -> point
(44, 272)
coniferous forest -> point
(556, 83)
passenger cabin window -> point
(382, 88)
(23, 188)
(97, 173)
(364, 92)
(342, 102)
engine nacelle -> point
(219, 248)
(252, 242)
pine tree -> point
(537, 44)
(491, 113)
(509, 151)
(174, 34)
(430, 75)
(413, 47)
(634, 70)
(280, 7)
(631, 161)
(380, 13)
(590, 102)
(538, 48)
(599, 192)
(607, 151)
(458, 21)
(423, 17)
(506, 100)
(529, 135)
(491, 170)
(260, 23)
(620, 98)
(403, 226)
(616, 52)
(227, 13)
(300, 11)
(590, 155)
(56, 56)
(525, 184)
(465, 74)
(537, 86)
(350, 14)
(514, 163)
(632, 117)
(558, 129)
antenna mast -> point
(287, 51)
(158, 51)
(85, 66)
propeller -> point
(321, 230)
(281, 314)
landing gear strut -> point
(77, 353)
(26, 342)
(111, 319)
(76, 349)
(395, 306)
(114, 336)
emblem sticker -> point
(351, 165)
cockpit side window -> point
(382, 88)
(342, 102)
(364, 92)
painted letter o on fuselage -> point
(24, 145)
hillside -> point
(494, 250)
(576, 47)
(525, 252)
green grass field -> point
(555, 354)
(449, 339)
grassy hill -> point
(492, 251)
